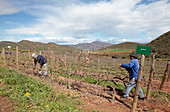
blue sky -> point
(83, 21)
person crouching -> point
(42, 63)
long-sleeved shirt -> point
(41, 60)
(132, 68)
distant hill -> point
(91, 46)
(29, 45)
(118, 50)
(125, 45)
(161, 45)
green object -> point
(143, 50)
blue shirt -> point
(41, 60)
(132, 68)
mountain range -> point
(38, 46)
(160, 46)
(91, 46)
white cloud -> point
(7, 7)
(59, 40)
(120, 20)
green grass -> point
(92, 80)
(42, 97)
(125, 53)
(113, 50)
(160, 95)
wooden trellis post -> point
(140, 50)
(138, 83)
(69, 73)
(17, 58)
(9, 55)
(168, 77)
(3, 54)
(65, 57)
(98, 62)
(165, 74)
(76, 60)
(51, 62)
(150, 77)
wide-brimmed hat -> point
(133, 55)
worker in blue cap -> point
(133, 69)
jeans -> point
(130, 85)
(44, 70)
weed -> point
(120, 86)
(36, 95)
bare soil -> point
(103, 101)
(95, 100)
(5, 104)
